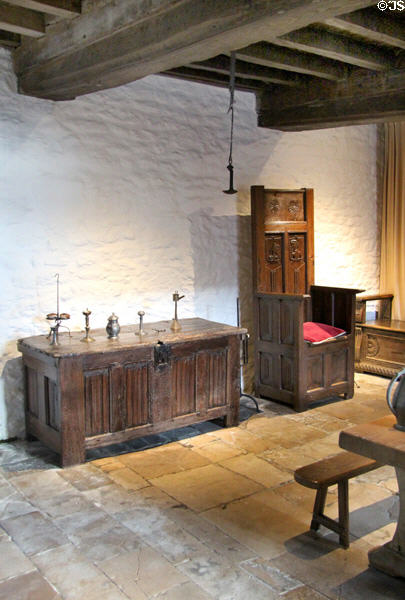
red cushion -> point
(319, 332)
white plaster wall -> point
(120, 192)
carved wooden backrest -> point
(334, 306)
(283, 240)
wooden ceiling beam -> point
(371, 25)
(270, 55)
(365, 98)
(211, 78)
(9, 40)
(337, 47)
(123, 41)
(60, 8)
(221, 64)
(21, 20)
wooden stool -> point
(338, 470)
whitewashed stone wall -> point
(120, 192)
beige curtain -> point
(392, 274)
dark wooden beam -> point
(9, 40)
(365, 98)
(60, 8)
(269, 55)
(211, 78)
(21, 20)
(221, 64)
(123, 41)
(338, 47)
(372, 25)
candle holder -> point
(141, 330)
(175, 325)
(87, 337)
(57, 318)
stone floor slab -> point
(185, 591)
(98, 538)
(12, 503)
(31, 586)
(225, 581)
(206, 487)
(258, 525)
(175, 543)
(257, 469)
(13, 561)
(33, 532)
(127, 478)
(85, 477)
(75, 577)
(163, 460)
(244, 440)
(279, 581)
(142, 573)
(209, 535)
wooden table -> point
(381, 441)
(82, 395)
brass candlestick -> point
(175, 325)
(87, 337)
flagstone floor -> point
(197, 514)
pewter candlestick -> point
(57, 317)
(87, 337)
(141, 330)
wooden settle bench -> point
(320, 475)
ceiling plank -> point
(372, 26)
(269, 55)
(122, 42)
(9, 40)
(365, 98)
(21, 20)
(211, 78)
(60, 8)
(337, 47)
(222, 64)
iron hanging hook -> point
(231, 189)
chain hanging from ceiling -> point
(231, 189)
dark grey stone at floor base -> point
(207, 426)
(116, 449)
(12, 452)
(182, 433)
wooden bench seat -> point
(337, 469)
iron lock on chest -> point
(161, 354)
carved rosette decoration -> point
(373, 346)
(274, 206)
(274, 255)
(293, 208)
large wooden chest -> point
(81, 395)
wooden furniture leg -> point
(343, 501)
(319, 506)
